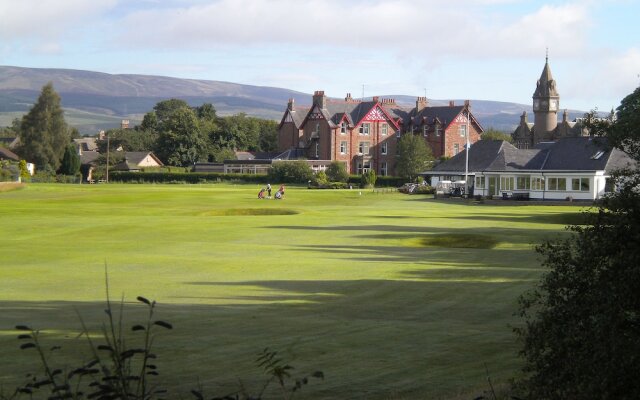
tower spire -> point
(547, 56)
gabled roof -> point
(298, 115)
(136, 157)
(445, 115)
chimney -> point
(375, 99)
(319, 99)
(421, 104)
(348, 99)
(467, 104)
(452, 103)
(290, 104)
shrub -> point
(337, 172)
(368, 179)
(290, 172)
(320, 179)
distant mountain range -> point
(94, 101)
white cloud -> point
(44, 19)
(464, 29)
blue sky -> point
(463, 49)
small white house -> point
(577, 168)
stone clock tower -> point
(546, 102)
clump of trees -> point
(581, 323)
(181, 135)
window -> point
(523, 183)
(580, 184)
(507, 183)
(343, 127)
(436, 130)
(385, 129)
(462, 129)
(383, 168)
(537, 183)
(317, 149)
(425, 131)
(363, 148)
(363, 167)
(364, 129)
(456, 148)
(479, 182)
(556, 184)
(343, 147)
(383, 148)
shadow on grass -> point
(372, 338)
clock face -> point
(536, 104)
(543, 103)
(553, 105)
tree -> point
(414, 156)
(43, 131)
(70, 161)
(368, 179)
(180, 141)
(581, 332)
(493, 134)
(337, 172)
(268, 137)
(128, 140)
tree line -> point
(177, 133)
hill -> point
(95, 100)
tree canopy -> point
(581, 332)
(43, 131)
(413, 156)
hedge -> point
(184, 177)
(213, 177)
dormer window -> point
(436, 130)
(425, 130)
(343, 127)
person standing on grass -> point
(281, 190)
(268, 190)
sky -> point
(444, 49)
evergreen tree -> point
(43, 131)
(70, 161)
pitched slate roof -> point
(88, 157)
(567, 154)
(483, 153)
(444, 114)
(7, 154)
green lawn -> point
(391, 296)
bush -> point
(320, 179)
(368, 179)
(290, 172)
(337, 172)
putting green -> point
(391, 296)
